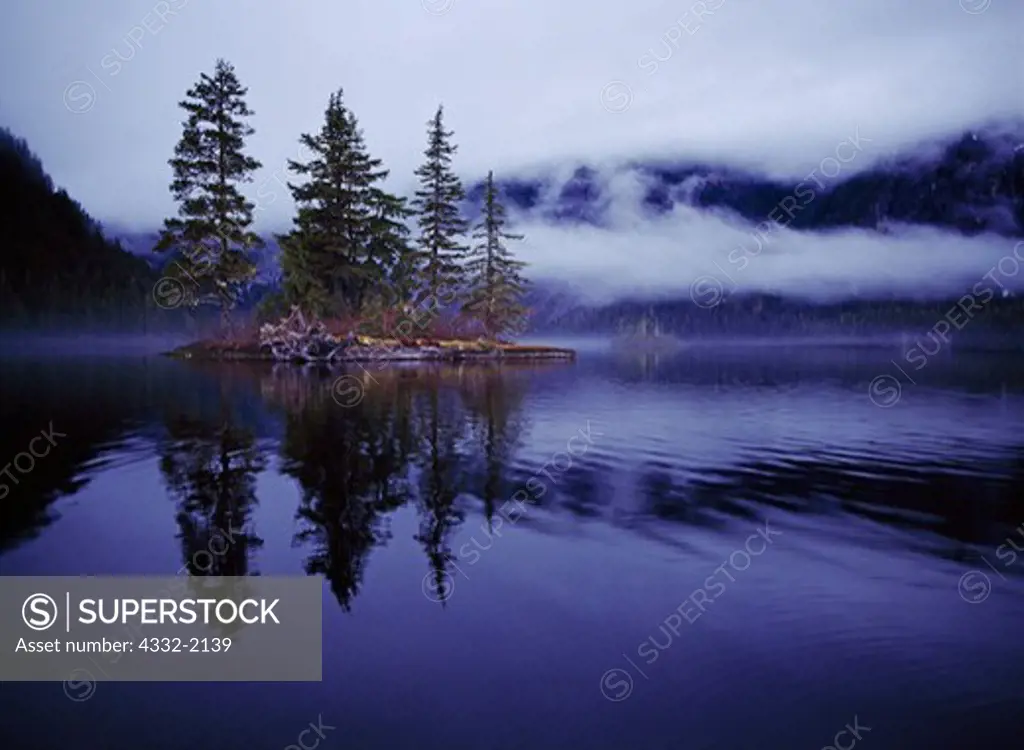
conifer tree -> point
(390, 249)
(348, 231)
(212, 230)
(302, 282)
(495, 284)
(441, 226)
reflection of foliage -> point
(212, 469)
(97, 416)
(440, 431)
(494, 399)
(349, 467)
(406, 439)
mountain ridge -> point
(968, 183)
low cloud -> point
(696, 249)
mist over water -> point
(43, 345)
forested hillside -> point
(57, 270)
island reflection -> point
(455, 444)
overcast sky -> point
(525, 83)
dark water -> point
(733, 547)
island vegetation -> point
(355, 275)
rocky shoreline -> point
(294, 339)
(426, 351)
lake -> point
(733, 546)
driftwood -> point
(296, 339)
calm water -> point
(733, 547)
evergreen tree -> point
(348, 232)
(441, 226)
(390, 248)
(212, 230)
(495, 285)
(302, 283)
(393, 261)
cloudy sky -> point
(526, 84)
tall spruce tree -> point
(441, 226)
(494, 280)
(348, 231)
(390, 249)
(211, 234)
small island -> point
(424, 350)
(354, 285)
(296, 340)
